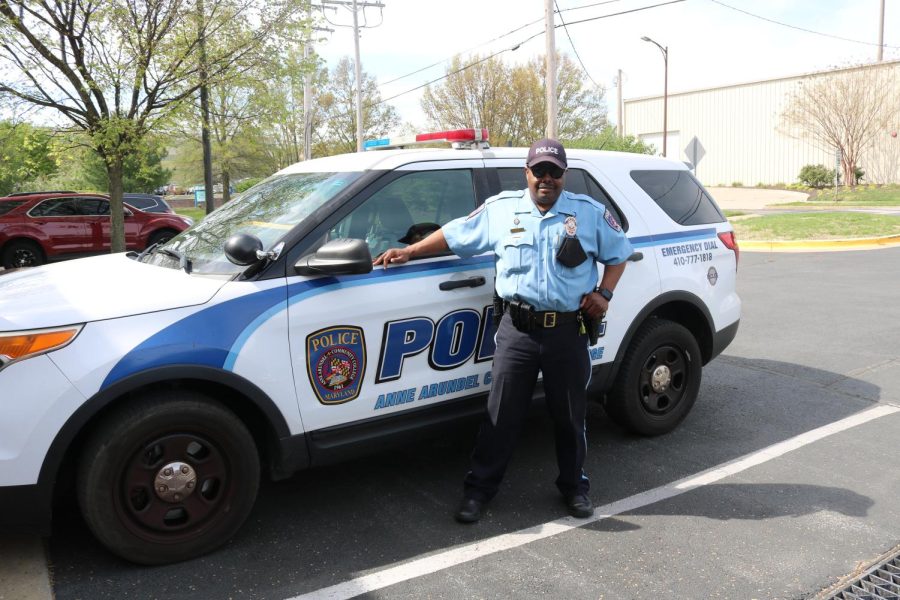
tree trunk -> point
(226, 184)
(116, 210)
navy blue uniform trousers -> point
(561, 354)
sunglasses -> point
(541, 169)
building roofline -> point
(758, 81)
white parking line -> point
(450, 558)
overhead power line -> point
(516, 47)
(572, 43)
(837, 37)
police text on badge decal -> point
(545, 150)
(334, 339)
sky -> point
(710, 42)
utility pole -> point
(359, 127)
(307, 95)
(620, 107)
(355, 4)
(551, 69)
(881, 33)
(208, 192)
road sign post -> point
(695, 152)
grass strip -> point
(816, 226)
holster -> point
(498, 309)
(592, 326)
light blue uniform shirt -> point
(525, 242)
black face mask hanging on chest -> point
(570, 253)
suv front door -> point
(400, 338)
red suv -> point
(44, 226)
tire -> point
(161, 237)
(168, 477)
(653, 406)
(22, 253)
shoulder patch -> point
(611, 220)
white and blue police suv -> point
(158, 388)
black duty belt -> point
(525, 318)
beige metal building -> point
(746, 137)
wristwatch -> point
(606, 293)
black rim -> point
(672, 363)
(25, 257)
(156, 517)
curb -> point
(819, 245)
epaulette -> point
(586, 198)
(506, 194)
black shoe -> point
(469, 510)
(580, 506)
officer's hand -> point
(594, 305)
(393, 256)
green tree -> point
(115, 70)
(25, 155)
(608, 139)
(337, 108)
(510, 102)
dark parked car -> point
(46, 226)
(148, 203)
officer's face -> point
(545, 190)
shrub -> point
(737, 184)
(816, 176)
(245, 184)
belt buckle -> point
(549, 319)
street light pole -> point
(665, 52)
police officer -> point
(547, 243)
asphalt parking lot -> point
(779, 482)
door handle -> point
(636, 257)
(470, 282)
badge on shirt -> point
(571, 226)
(611, 220)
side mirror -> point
(337, 257)
(242, 249)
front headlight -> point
(19, 345)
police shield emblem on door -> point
(336, 363)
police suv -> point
(159, 387)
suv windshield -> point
(268, 210)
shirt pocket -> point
(582, 270)
(518, 251)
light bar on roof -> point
(462, 137)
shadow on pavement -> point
(328, 525)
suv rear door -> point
(399, 338)
(61, 226)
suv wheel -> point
(161, 237)
(170, 476)
(658, 381)
(22, 253)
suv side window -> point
(680, 196)
(56, 207)
(6, 207)
(94, 207)
(578, 181)
(409, 208)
